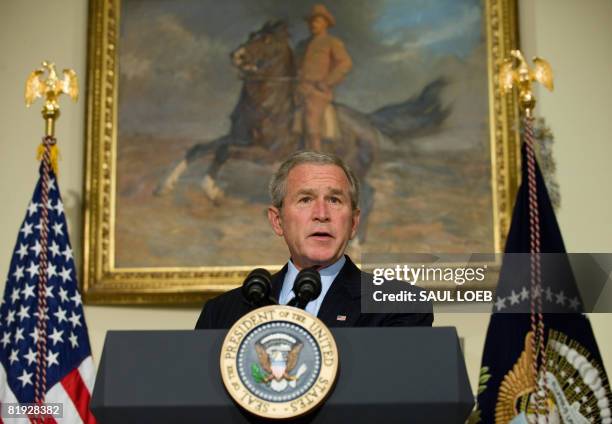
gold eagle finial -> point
(50, 88)
(515, 72)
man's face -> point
(316, 218)
(318, 25)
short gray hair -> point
(278, 184)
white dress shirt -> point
(328, 275)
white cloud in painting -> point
(428, 37)
(174, 78)
(133, 66)
(179, 58)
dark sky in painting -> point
(176, 77)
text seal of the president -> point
(279, 362)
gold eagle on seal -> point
(276, 365)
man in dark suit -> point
(315, 199)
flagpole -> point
(522, 77)
(537, 318)
(51, 89)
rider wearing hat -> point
(322, 62)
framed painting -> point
(192, 104)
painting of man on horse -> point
(263, 121)
(290, 85)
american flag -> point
(70, 369)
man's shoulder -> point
(332, 40)
(222, 311)
(230, 297)
(322, 40)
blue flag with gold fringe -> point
(572, 380)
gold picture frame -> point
(105, 283)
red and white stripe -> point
(73, 392)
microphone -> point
(257, 287)
(307, 287)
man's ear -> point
(274, 216)
(356, 216)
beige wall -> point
(574, 36)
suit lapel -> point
(277, 282)
(341, 306)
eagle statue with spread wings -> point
(513, 74)
(510, 76)
(52, 87)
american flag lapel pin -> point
(341, 318)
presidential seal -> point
(577, 389)
(279, 362)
